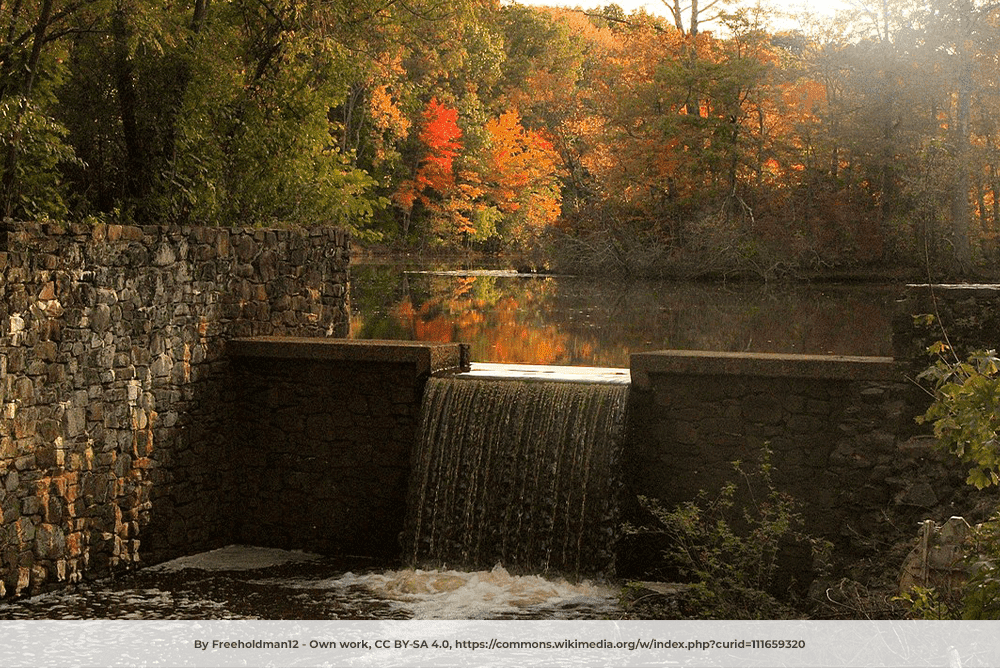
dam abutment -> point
(834, 427)
(324, 430)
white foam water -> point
(205, 586)
(493, 594)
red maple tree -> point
(439, 135)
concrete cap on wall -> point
(991, 289)
(426, 357)
(775, 365)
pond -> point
(590, 321)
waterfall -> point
(518, 472)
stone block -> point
(24, 391)
(49, 455)
(161, 366)
(50, 542)
(165, 255)
(48, 291)
(806, 424)
(47, 351)
(763, 408)
(919, 494)
(12, 481)
(682, 433)
(31, 505)
(23, 580)
(99, 318)
(818, 407)
(25, 463)
(358, 405)
(132, 233)
(24, 529)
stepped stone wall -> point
(115, 391)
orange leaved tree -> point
(434, 178)
(520, 179)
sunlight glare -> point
(819, 8)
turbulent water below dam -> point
(239, 582)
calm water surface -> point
(565, 320)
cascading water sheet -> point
(517, 472)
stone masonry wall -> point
(326, 454)
(324, 439)
(966, 315)
(133, 430)
(114, 384)
(844, 441)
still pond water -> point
(587, 321)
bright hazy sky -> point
(821, 8)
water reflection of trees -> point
(563, 320)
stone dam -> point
(170, 390)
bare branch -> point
(613, 19)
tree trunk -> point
(128, 105)
(9, 185)
(200, 13)
(7, 56)
(960, 189)
(980, 200)
(995, 190)
(675, 11)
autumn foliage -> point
(523, 166)
(721, 144)
(439, 139)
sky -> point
(821, 8)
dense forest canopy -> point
(868, 139)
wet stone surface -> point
(276, 592)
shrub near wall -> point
(114, 398)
